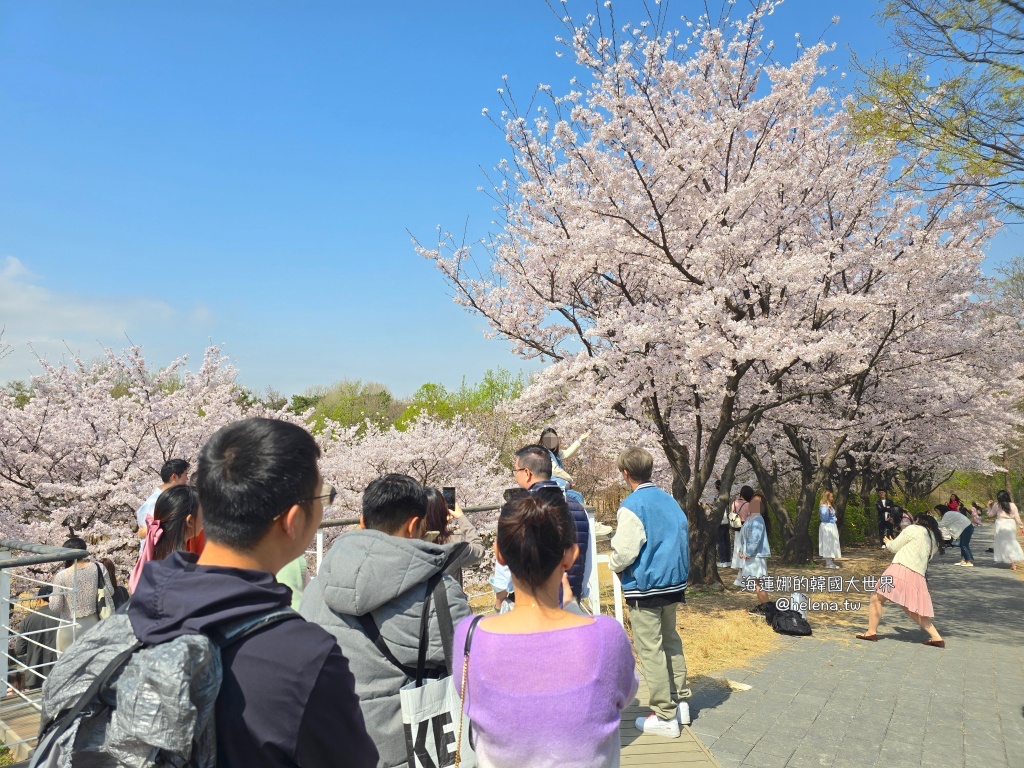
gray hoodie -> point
(372, 572)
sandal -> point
(872, 638)
(935, 643)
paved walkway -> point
(832, 701)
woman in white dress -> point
(828, 532)
(1006, 548)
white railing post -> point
(5, 615)
(319, 548)
(617, 592)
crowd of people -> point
(321, 672)
(386, 614)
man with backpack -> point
(371, 593)
(209, 666)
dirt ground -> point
(718, 632)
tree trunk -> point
(843, 482)
(768, 481)
(813, 471)
(798, 546)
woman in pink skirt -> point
(914, 547)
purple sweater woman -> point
(545, 687)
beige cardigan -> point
(914, 547)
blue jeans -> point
(965, 544)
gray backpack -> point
(113, 701)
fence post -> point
(319, 548)
(5, 615)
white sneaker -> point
(600, 529)
(723, 565)
(655, 726)
(683, 713)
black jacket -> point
(579, 516)
(885, 509)
(287, 697)
(32, 653)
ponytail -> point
(171, 511)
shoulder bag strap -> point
(444, 621)
(372, 632)
(100, 589)
(421, 658)
(99, 683)
(462, 688)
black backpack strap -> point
(435, 582)
(99, 684)
(372, 631)
(233, 632)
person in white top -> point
(173, 472)
(903, 582)
(1005, 547)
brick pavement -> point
(831, 701)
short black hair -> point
(45, 591)
(250, 472)
(390, 501)
(537, 459)
(173, 467)
(74, 542)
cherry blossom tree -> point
(694, 239)
(435, 452)
(82, 447)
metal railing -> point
(19, 589)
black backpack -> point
(784, 622)
(790, 623)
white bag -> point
(430, 717)
(431, 707)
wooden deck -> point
(20, 721)
(640, 749)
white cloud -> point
(39, 321)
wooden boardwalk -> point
(641, 749)
(20, 721)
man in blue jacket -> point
(651, 554)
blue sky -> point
(248, 173)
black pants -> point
(724, 547)
(884, 528)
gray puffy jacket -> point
(372, 572)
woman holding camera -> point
(543, 686)
(903, 582)
(453, 526)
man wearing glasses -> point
(533, 474)
(287, 697)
